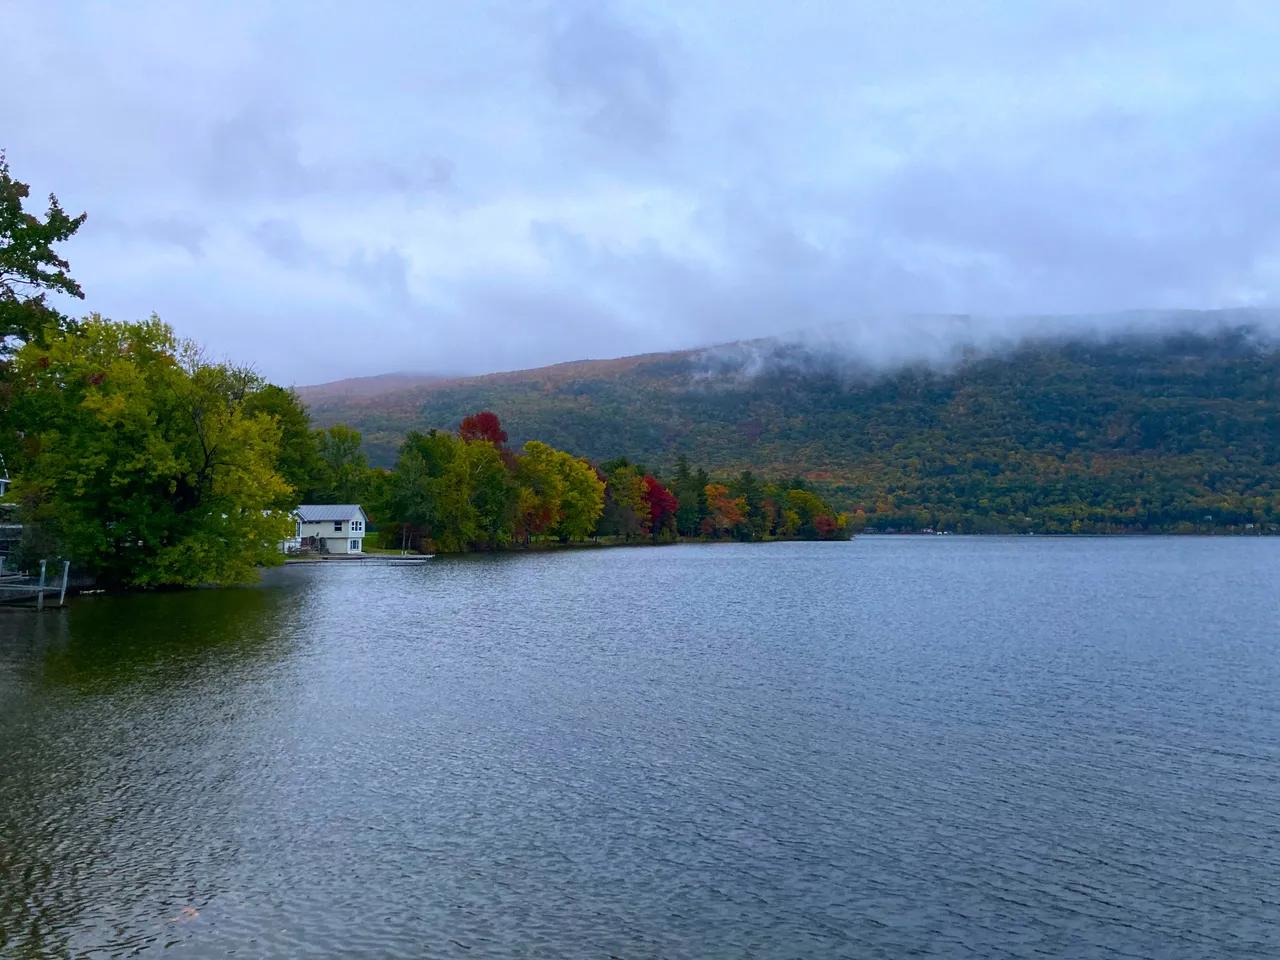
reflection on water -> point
(161, 638)
(891, 747)
(123, 666)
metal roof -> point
(322, 512)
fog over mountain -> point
(885, 344)
(330, 191)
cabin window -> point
(337, 526)
(355, 544)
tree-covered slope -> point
(1135, 433)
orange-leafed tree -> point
(726, 511)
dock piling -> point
(19, 587)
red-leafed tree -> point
(826, 526)
(483, 427)
(663, 505)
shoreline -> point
(379, 554)
(542, 547)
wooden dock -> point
(19, 588)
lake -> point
(898, 746)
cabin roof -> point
(323, 512)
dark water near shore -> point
(887, 748)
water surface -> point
(893, 747)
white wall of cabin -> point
(335, 541)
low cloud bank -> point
(876, 346)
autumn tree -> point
(814, 518)
(662, 506)
(483, 427)
(724, 510)
(464, 492)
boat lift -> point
(24, 588)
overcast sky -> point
(331, 190)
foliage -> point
(1150, 434)
(29, 270)
(626, 512)
(143, 462)
(725, 512)
(663, 505)
(583, 499)
(342, 466)
(484, 427)
(29, 266)
(452, 493)
(298, 458)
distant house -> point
(4, 477)
(331, 527)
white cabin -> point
(334, 528)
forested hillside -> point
(1154, 434)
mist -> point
(880, 346)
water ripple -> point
(895, 747)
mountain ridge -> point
(1160, 429)
(396, 384)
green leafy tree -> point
(492, 492)
(540, 490)
(583, 499)
(414, 504)
(143, 464)
(459, 524)
(626, 512)
(298, 458)
(29, 266)
(343, 465)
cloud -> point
(384, 273)
(257, 153)
(163, 231)
(469, 187)
(283, 242)
(616, 77)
